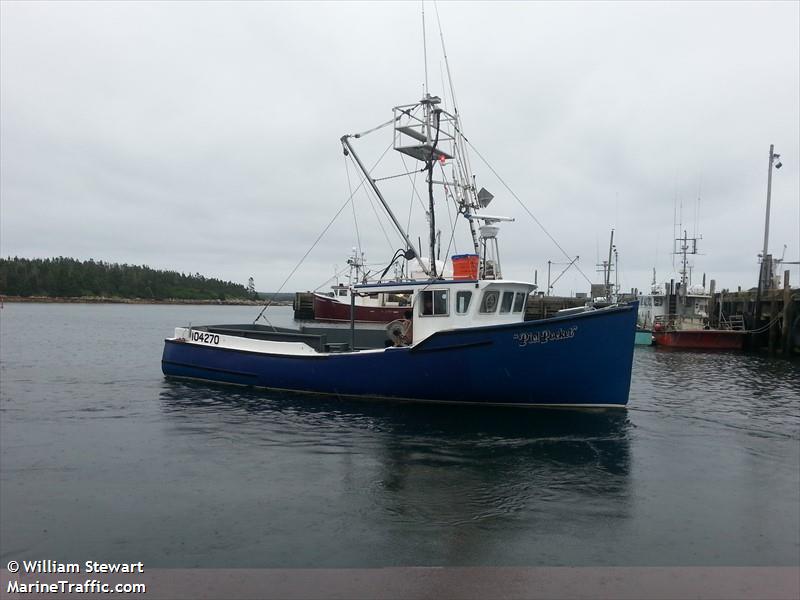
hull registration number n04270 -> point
(204, 337)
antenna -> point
(446, 62)
(674, 224)
(685, 246)
(424, 48)
(697, 206)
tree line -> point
(68, 277)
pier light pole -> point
(774, 159)
(763, 273)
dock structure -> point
(773, 318)
(777, 329)
(541, 306)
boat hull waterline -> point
(576, 360)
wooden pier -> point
(773, 317)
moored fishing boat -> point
(644, 337)
(335, 313)
(460, 339)
(699, 339)
(677, 312)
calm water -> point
(104, 459)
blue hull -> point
(574, 360)
(644, 338)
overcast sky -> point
(204, 137)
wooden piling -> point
(787, 315)
(713, 311)
(773, 322)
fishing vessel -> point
(677, 312)
(463, 337)
(644, 337)
(608, 292)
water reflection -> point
(754, 394)
(416, 469)
(582, 435)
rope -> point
(764, 328)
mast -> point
(430, 134)
(468, 187)
(687, 246)
(425, 47)
(429, 115)
(608, 269)
(422, 122)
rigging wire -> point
(342, 271)
(413, 185)
(446, 62)
(319, 237)
(352, 203)
(376, 128)
(334, 277)
(451, 242)
(375, 212)
(525, 208)
(413, 193)
(449, 196)
(398, 175)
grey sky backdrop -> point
(204, 137)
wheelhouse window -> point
(490, 301)
(658, 301)
(519, 302)
(399, 298)
(434, 303)
(462, 302)
(507, 302)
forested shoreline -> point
(68, 278)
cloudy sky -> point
(204, 137)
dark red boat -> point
(327, 308)
(701, 339)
